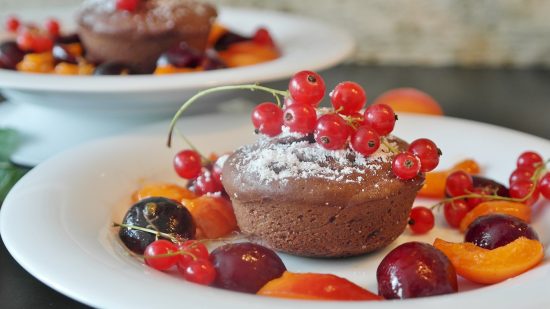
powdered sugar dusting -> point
(302, 159)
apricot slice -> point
(518, 210)
(247, 53)
(316, 287)
(434, 185)
(213, 216)
(166, 190)
(491, 266)
(410, 100)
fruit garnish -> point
(245, 267)
(434, 185)
(410, 100)
(52, 26)
(127, 5)
(315, 287)
(455, 211)
(518, 210)
(348, 98)
(421, 220)
(36, 63)
(10, 55)
(188, 164)
(491, 266)
(157, 254)
(415, 269)
(213, 215)
(307, 88)
(497, 230)
(167, 190)
(12, 24)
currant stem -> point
(144, 229)
(252, 87)
(384, 141)
(188, 142)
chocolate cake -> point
(294, 196)
(138, 38)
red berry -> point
(521, 188)
(427, 152)
(421, 220)
(521, 174)
(289, 101)
(365, 140)
(263, 37)
(206, 183)
(529, 159)
(12, 24)
(42, 44)
(544, 186)
(406, 166)
(472, 202)
(357, 119)
(127, 5)
(196, 249)
(200, 271)
(331, 132)
(381, 118)
(154, 251)
(348, 98)
(459, 183)
(307, 87)
(52, 26)
(267, 118)
(455, 211)
(300, 118)
(187, 164)
(25, 41)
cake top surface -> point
(151, 15)
(294, 156)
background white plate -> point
(56, 220)
(53, 112)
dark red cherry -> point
(496, 230)
(10, 55)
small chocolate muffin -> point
(138, 38)
(296, 197)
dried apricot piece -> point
(518, 210)
(166, 190)
(491, 266)
(316, 287)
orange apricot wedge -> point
(519, 210)
(167, 190)
(491, 266)
(213, 216)
(434, 185)
(315, 287)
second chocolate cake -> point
(294, 196)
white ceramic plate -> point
(56, 221)
(305, 44)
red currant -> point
(187, 164)
(42, 44)
(263, 37)
(544, 186)
(421, 220)
(472, 202)
(357, 119)
(200, 271)
(365, 140)
(307, 87)
(267, 118)
(459, 183)
(154, 251)
(521, 174)
(427, 152)
(25, 41)
(529, 159)
(348, 98)
(454, 212)
(197, 249)
(127, 5)
(12, 24)
(331, 132)
(52, 26)
(289, 101)
(522, 188)
(300, 118)
(381, 118)
(205, 183)
(406, 166)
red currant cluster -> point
(527, 183)
(31, 38)
(205, 176)
(365, 131)
(191, 258)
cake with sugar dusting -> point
(136, 35)
(293, 195)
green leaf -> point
(8, 143)
(9, 173)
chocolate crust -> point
(319, 217)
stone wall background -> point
(493, 33)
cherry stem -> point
(536, 175)
(385, 142)
(251, 87)
(144, 229)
